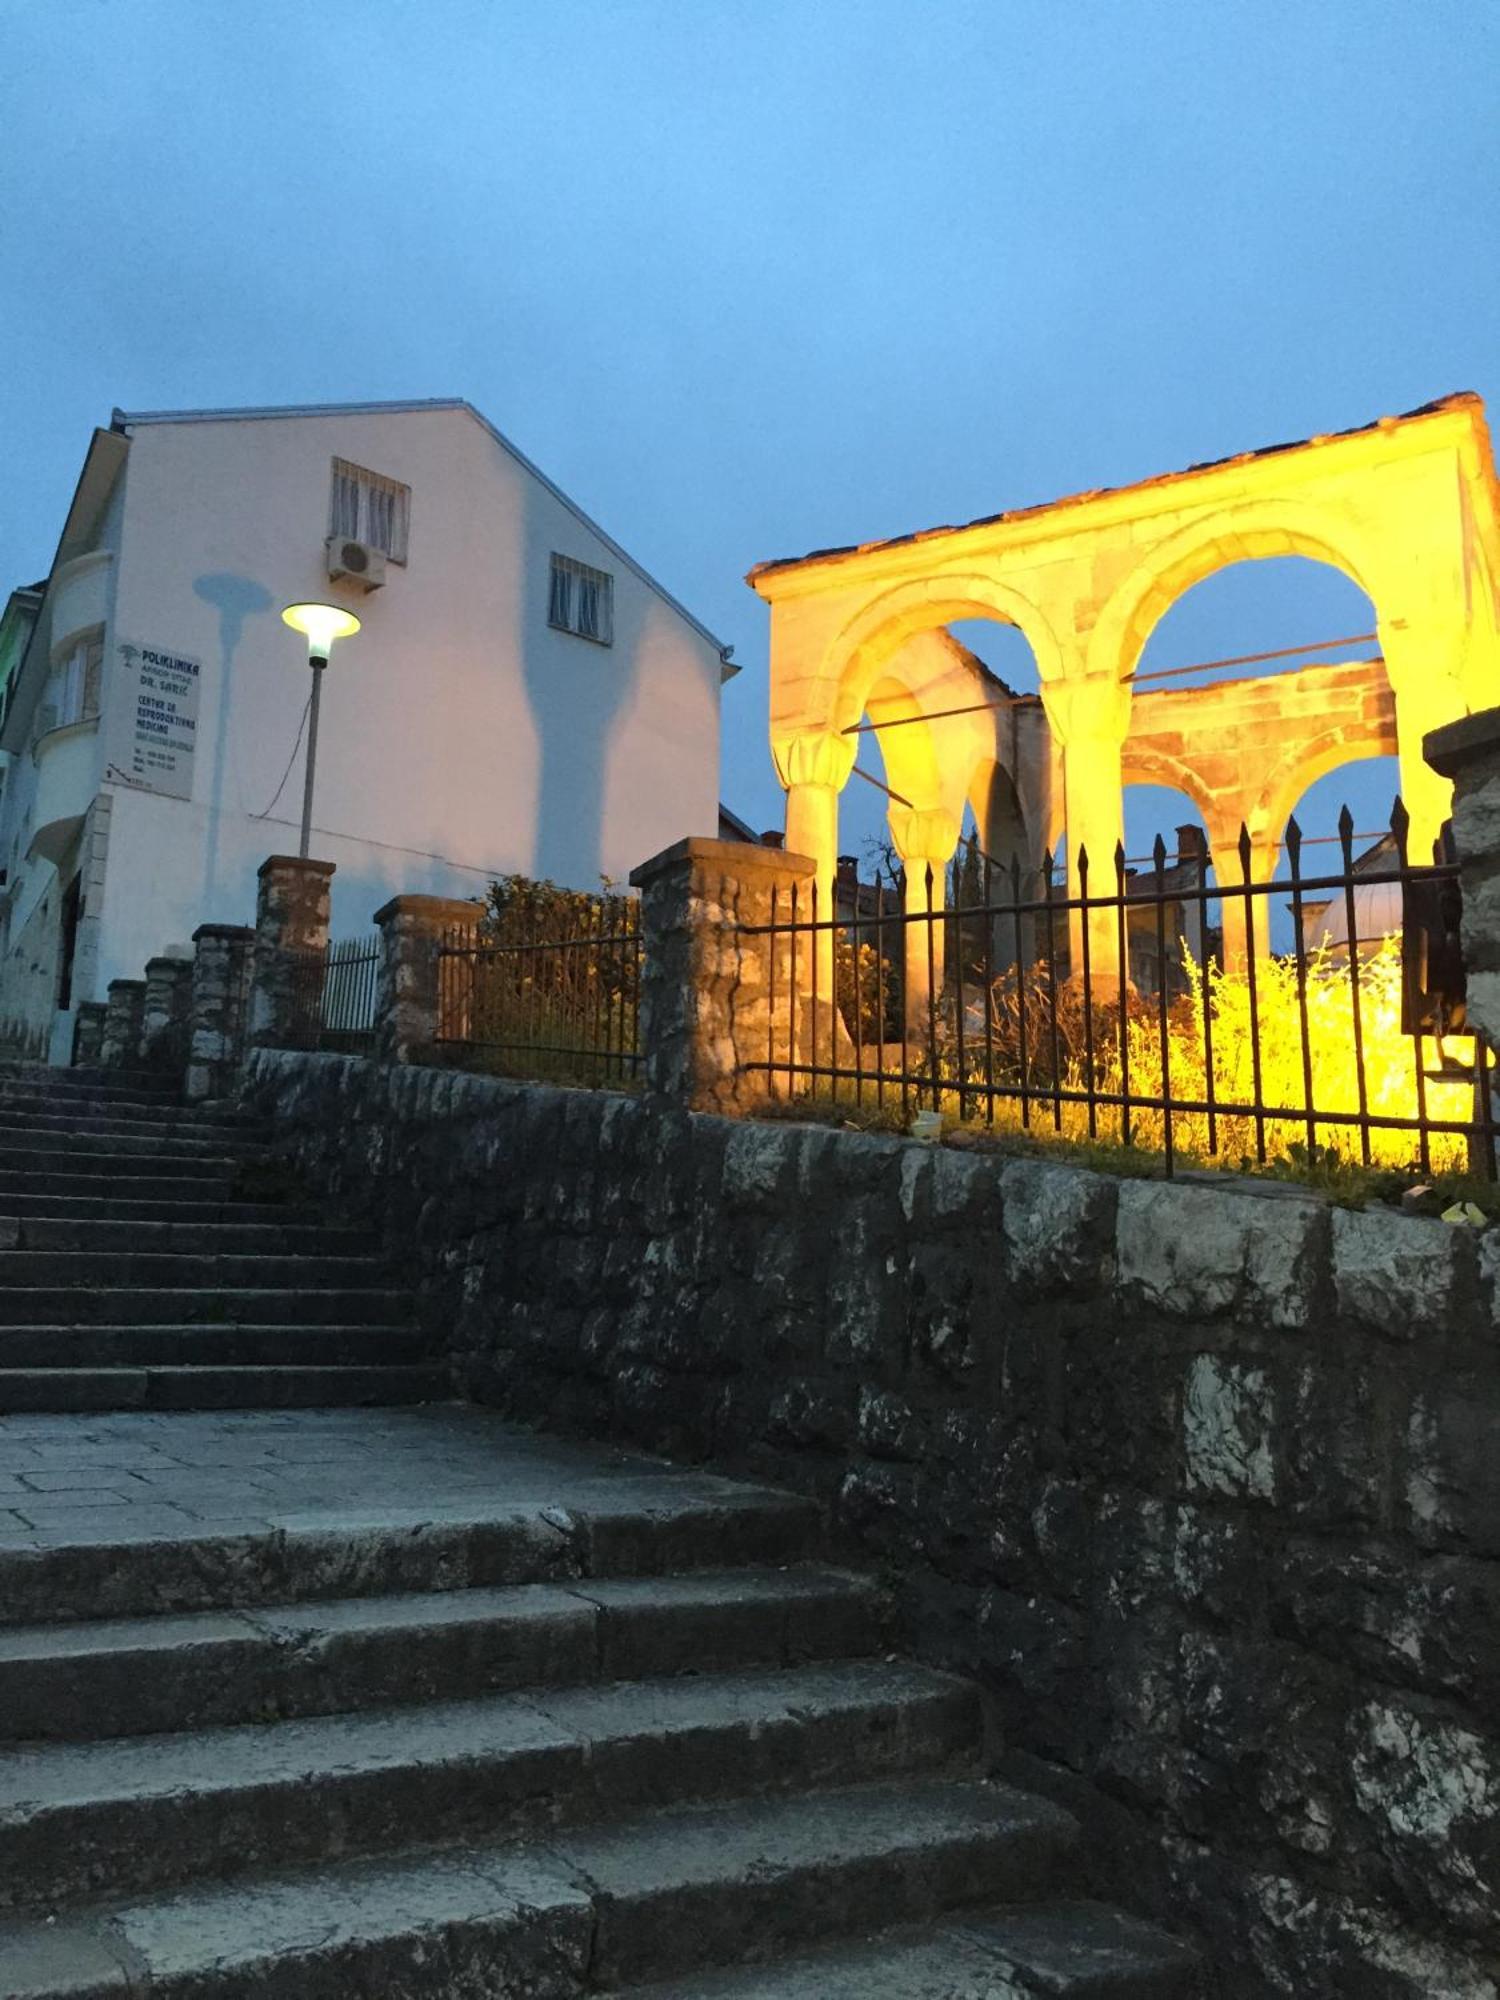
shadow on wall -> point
(235, 598)
(577, 691)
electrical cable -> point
(289, 763)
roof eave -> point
(122, 420)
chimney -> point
(1192, 844)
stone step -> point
(135, 1182)
(143, 1082)
(39, 1167)
(279, 1236)
(69, 1093)
(189, 1305)
(87, 1566)
(199, 1387)
(148, 1812)
(683, 1889)
(37, 1136)
(168, 1210)
(99, 1119)
(127, 1677)
(105, 1271)
(1072, 1950)
(64, 1349)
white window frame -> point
(75, 684)
(365, 506)
(581, 600)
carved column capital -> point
(927, 834)
(1088, 708)
(814, 757)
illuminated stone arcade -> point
(1407, 508)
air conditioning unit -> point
(355, 562)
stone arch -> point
(1243, 533)
(1150, 766)
(862, 650)
(1006, 831)
(1303, 765)
(909, 754)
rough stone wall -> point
(291, 937)
(1202, 1484)
(716, 1005)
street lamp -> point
(322, 623)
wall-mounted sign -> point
(153, 708)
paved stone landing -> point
(139, 1475)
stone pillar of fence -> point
(88, 1033)
(217, 1004)
(725, 1008)
(1468, 752)
(164, 1015)
(291, 932)
(418, 1006)
(121, 1044)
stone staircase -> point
(149, 1259)
(315, 1703)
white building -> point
(522, 696)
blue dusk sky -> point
(748, 279)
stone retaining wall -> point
(1202, 1483)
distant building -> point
(1377, 906)
(732, 827)
(1161, 947)
(523, 696)
(16, 622)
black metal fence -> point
(335, 994)
(549, 991)
(1188, 1008)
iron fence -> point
(1163, 1013)
(551, 991)
(335, 994)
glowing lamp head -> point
(322, 624)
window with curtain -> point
(364, 506)
(581, 600)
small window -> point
(364, 507)
(582, 600)
(73, 692)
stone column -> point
(421, 1005)
(815, 767)
(1089, 715)
(1421, 658)
(218, 1004)
(164, 1017)
(713, 1001)
(1467, 753)
(1265, 850)
(291, 940)
(88, 1033)
(121, 1045)
(926, 842)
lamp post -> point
(322, 623)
